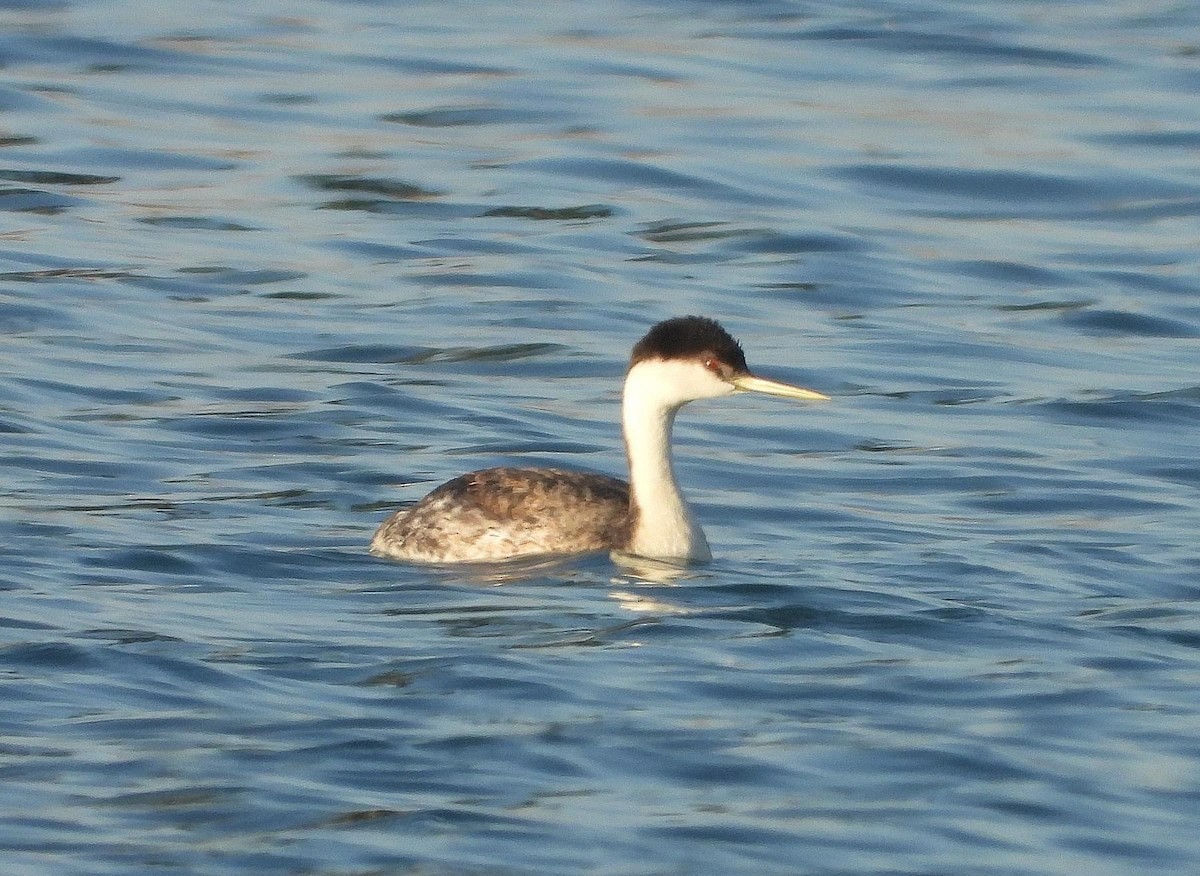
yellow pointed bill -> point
(750, 383)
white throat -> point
(654, 391)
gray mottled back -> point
(500, 513)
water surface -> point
(269, 272)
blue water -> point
(270, 271)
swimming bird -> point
(504, 513)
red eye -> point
(712, 365)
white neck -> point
(663, 525)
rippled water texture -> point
(269, 271)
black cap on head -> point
(688, 337)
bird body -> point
(503, 513)
(498, 513)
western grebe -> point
(502, 513)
